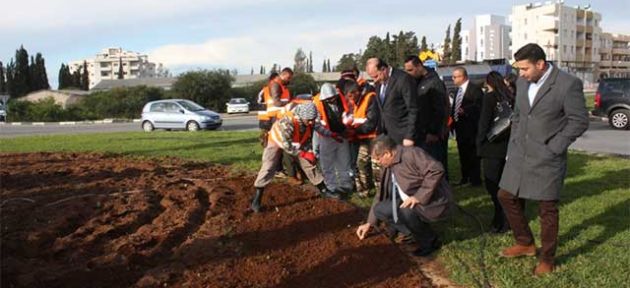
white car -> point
(237, 105)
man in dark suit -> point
(432, 109)
(465, 113)
(549, 115)
(397, 102)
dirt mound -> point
(89, 220)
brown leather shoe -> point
(518, 251)
(543, 268)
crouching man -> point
(291, 133)
(413, 193)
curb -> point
(65, 123)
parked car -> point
(3, 112)
(612, 100)
(237, 105)
(178, 114)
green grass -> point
(239, 148)
(594, 207)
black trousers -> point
(469, 161)
(492, 170)
(408, 220)
(439, 152)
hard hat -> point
(327, 91)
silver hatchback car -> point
(178, 114)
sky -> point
(238, 34)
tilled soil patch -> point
(91, 220)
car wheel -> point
(192, 126)
(147, 126)
(619, 119)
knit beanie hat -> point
(306, 111)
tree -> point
(85, 77)
(21, 75)
(299, 59)
(324, 66)
(61, 77)
(252, 72)
(447, 46)
(423, 44)
(10, 89)
(262, 70)
(3, 85)
(274, 68)
(41, 68)
(121, 72)
(302, 83)
(347, 61)
(310, 62)
(456, 50)
(209, 88)
(76, 79)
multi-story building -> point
(489, 39)
(105, 66)
(614, 55)
(569, 35)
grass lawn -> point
(594, 208)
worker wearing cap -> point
(334, 149)
(292, 134)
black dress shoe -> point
(426, 251)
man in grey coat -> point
(549, 115)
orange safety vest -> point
(271, 110)
(360, 114)
(275, 134)
(320, 108)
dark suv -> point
(612, 100)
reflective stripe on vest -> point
(298, 140)
(360, 114)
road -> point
(599, 138)
(230, 122)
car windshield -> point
(238, 101)
(190, 106)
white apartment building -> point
(614, 53)
(488, 39)
(570, 36)
(105, 66)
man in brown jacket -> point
(413, 193)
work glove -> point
(308, 156)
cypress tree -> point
(21, 74)
(456, 50)
(310, 62)
(61, 78)
(447, 46)
(3, 85)
(423, 44)
(42, 75)
(10, 89)
(121, 72)
(85, 77)
(324, 67)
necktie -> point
(458, 102)
(382, 92)
(394, 194)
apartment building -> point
(105, 66)
(614, 56)
(570, 36)
(488, 39)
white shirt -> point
(464, 87)
(384, 85)
(535, 86)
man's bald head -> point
(377, 69)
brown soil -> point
(90, 220)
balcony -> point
(579, 28)
(579, 43)
(588, 43)
(621, 51)
(548, 24)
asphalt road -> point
(230, 122)
(599, 138)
